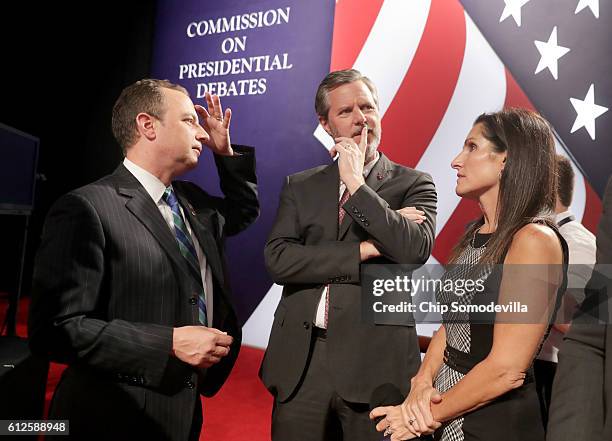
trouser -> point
(544, 375)
(315, 412)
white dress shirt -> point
(320, 315)
(582, 253)
(156, 189)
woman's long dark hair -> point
(527, 183)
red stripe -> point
(353, 21)
(515, 97)
(593, 209)
(419, 105)
(465, 212)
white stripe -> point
(481, 87)
(256, 330)
(427, 329)
(393, 41)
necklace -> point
(474, 238)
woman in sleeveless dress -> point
(476, 380)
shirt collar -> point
(151, 183)
(560, 216)
(370, 165)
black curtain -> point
(61, 73)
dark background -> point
(61, 74)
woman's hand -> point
(413, 417)
(392, 423)
(416, 409)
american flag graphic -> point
(436, 73)
(438, 64)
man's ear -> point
(145, 124)
(325, 124)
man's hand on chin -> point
(351, 160)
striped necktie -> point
(187, 248)
(341, 213)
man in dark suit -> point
(130, 286)
(323, 362)
(581, 403)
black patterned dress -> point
(516, 414)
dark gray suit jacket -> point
(581, 403)
(307, 250)
(110, 285)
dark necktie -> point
(341, 214)
(187, 248)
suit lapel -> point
(202, 231)
(379, 173)
(140, 204)
(326, 189)
(377, 177)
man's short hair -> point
(565, 182)
(337, 79)
(144, 96)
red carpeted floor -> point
(240, 410)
